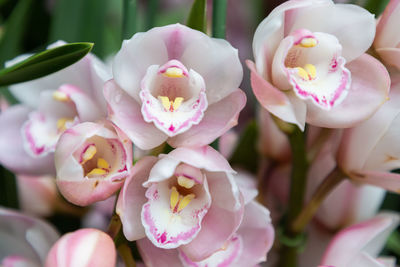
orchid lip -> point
(173, 98)
(315, 68)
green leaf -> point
(198, 16)
(14, 31)
(245, 153)
(376, 6)
(44, 63)
(80, 20)
(129, 19)
(8, 189)
(219, 18)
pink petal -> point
(85, 247)
(352, 25)
(390, 56)
(386, 180)
(155, 257)
(387, 34)
(359, 142)
(132, 198)
(12, 152)
(257, 234)
(25, 236)
(270, 32)
(218, 118)
(368, 91)
(125, 112)
(366, 237)
(73, 179)
(247, 184)
(222, 219)
(287, 106)
(217, 62)
(273, 142)
(204, 157)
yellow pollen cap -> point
(60, 96)
(185, 182)
(89, 153)
(308, 42)
(97, 171)
(61, 124)
(185, 201)
(174, 72)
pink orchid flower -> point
(187, 199)
(49, 106)
(247, 247)
(387, 39)
(359, 245)
(370, 151)
(83, 248)
(175, 84)
(92, 161)
(350, 202)
(24, 241)
(310, 64)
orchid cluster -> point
(144, 150)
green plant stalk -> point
(323, 190)
(126, 254)
(198, 16)
(152, 9)
(219, 18)
(129, 15)
(288, 256)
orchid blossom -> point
(175, 84)
(187, 199)
(359, 244)
(24, 240)
(387, 40)
(49, 106)
(92, 160)
(247, 247)
(310, 64)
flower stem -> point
(126, 254)
(152, 9)
(289, 250)
(323, 190)
(219, 18)
(129, 18)
(115, 226)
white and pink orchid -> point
(49, 106)
(92, 161)
(359, 244)
(310, 64)
(387, 39)
(24, 241)
(83, 248)
(370, 151)
(247, 247)
(175, 84)
(187, 199)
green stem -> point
(8, 189)
(126, 255)
(323, 190)
(152, 10)
(219, 18)
(289, 253)
(115, 226)
(129, 18)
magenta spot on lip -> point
(29, 137)
(171, 128)
(163, 238)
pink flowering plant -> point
(128, 146)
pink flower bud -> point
(83, 248)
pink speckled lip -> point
(162, 239)
(192, 112)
